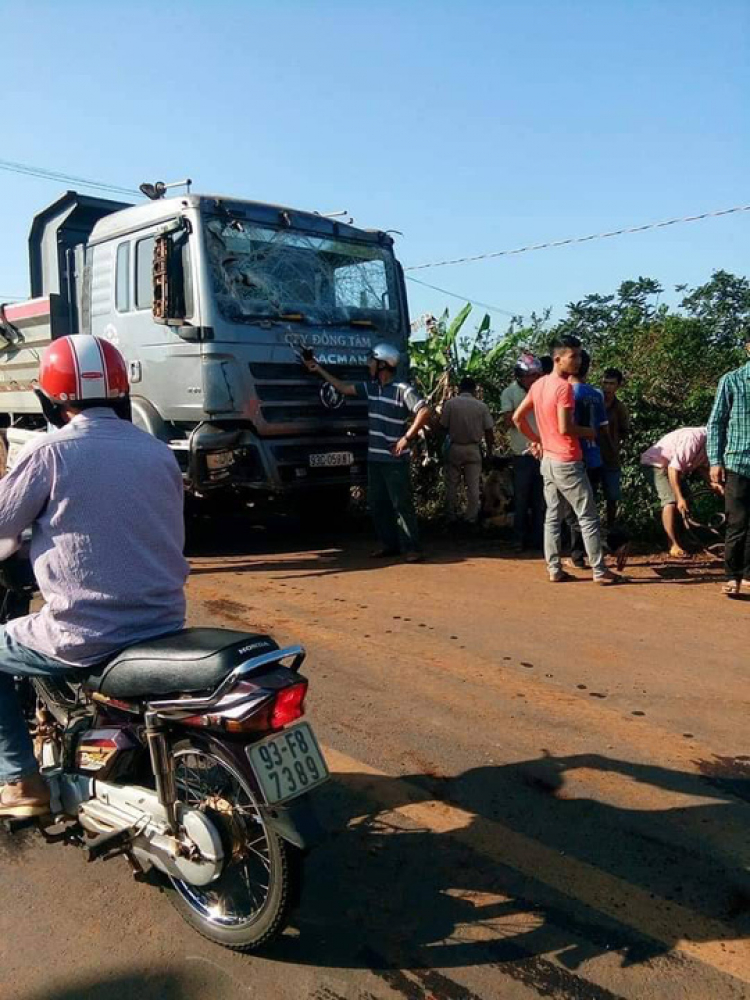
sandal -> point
(731, 588)
(561, 577)
(610, 580)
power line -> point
(581, 239)
(56, 175)
(463, 298)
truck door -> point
(164, 368)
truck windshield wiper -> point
(368, 323)
(278, 317)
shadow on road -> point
(283, 544)
(536, 871)
(319, 552)
(522, 872)
(134, 985)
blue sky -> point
(470, 128)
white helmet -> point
(386, 353)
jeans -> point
(566, 484)
(612, 484)
(737, 541)
(528, 494)
(464, 460)
(577, 548)
(16, 750)
(392, 505)
(616, 536)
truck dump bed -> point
(56, 264)
(26, 328)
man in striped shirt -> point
(396, 414)
(728, 447)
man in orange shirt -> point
(565, 481)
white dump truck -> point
(211, 301)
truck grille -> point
(263, 371)
(289, 395)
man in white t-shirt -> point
(528, 489)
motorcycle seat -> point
(185, 662)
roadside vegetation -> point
(672, 358)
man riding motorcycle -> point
(104, 501)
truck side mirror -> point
(169, 278)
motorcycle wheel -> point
(249, 904)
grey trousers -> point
(463, 460)
(567, 481)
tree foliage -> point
(672, 357)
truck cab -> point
(211, 300)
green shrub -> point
(672, 359)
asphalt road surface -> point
(538, 791)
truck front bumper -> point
(219, 456)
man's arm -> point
(716, 439)
(506, 408)
(624, 419)
(566, 424)
(520, 419)
(421, 420)
(445, 414)
(675, 481)
(24, 491)
(345, 388)
(489, 431)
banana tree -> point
(441, 360)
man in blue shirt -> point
(396, 414)
(591, 411)
(728, 448)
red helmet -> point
(83, 369)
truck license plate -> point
(289, 764)
(331, 458)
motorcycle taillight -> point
(271, 710)
(289, 705)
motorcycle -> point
(188, 756)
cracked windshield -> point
(262, 273)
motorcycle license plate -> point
(288, 764)
(331, 458)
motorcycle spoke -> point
(241, 891)
(263, 857)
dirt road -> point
(539, 791)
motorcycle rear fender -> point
(297, 822)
